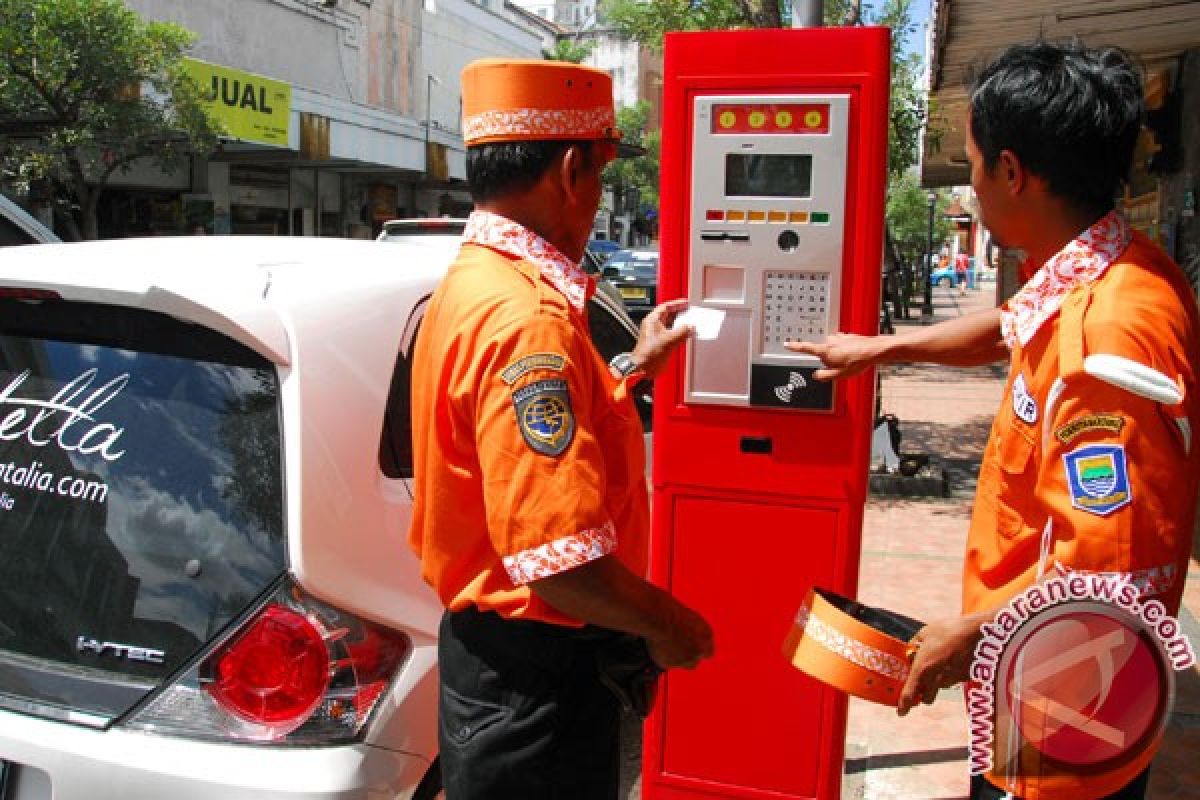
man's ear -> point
(571, 172)
(1012, 171)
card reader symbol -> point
(795, 381)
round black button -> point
(788, 241)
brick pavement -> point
(911, 562)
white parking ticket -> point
(706, 321)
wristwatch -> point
(623, 364)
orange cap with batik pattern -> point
(513, 100)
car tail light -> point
(297, 671)
(276, 671)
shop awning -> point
(967, 32)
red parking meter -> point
(773, 171)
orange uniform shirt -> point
(528, 455)
(1113, 472)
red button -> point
(714, 216)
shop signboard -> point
(249, 107)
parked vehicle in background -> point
(603, 247)
(18, 227)
(431, 230)
(943, 276)
(635, 274)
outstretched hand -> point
(657, 338)
(843, 354)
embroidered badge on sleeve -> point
(523, 366)
(544, 416)
(1108, 423)
(1098, 477)
(1024, 406)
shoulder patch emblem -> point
(527, 364)
(544, 416)
(1109, 423)
(1098, 477)
(1024, 406)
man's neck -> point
(1053, 228)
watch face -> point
(623, 363)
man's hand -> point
(943, 659)
(604, 592)
(657, 339)
(688, 640)
(843, 354)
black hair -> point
(501, 168)
(1069, 113)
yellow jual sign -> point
(249, 107)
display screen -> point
(760, 175)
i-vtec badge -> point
(127, 651)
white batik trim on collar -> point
(561, 555)
(852, 650)
(1083, 260)
(511, 238)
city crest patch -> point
(544, 416)
(1098, 477)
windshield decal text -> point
(41, 422)
(32, 476)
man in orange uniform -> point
(532, 516)
(1090, 466)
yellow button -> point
(757, 119)
(727, 119)
(777, 216)
(800, 217)
(735, 216)
(758, 216)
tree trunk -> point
(87, 212)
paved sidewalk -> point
(911, 563)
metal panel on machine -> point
(773, 172)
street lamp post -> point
(430, 80)
(927, 306)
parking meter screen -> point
(768, 175)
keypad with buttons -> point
(795, 307)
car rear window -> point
(141, 500)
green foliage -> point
(86, 88)
(647, 20)
(908, 217)
(640, 172)
(569, 49)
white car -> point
(205, 585)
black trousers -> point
(1136, 790)
(522, 712)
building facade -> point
(340, 114)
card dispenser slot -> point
(759, 445)
(724, 236)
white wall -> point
(295, 41)
(453, 35)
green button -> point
(820, 217)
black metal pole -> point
(927, 306)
